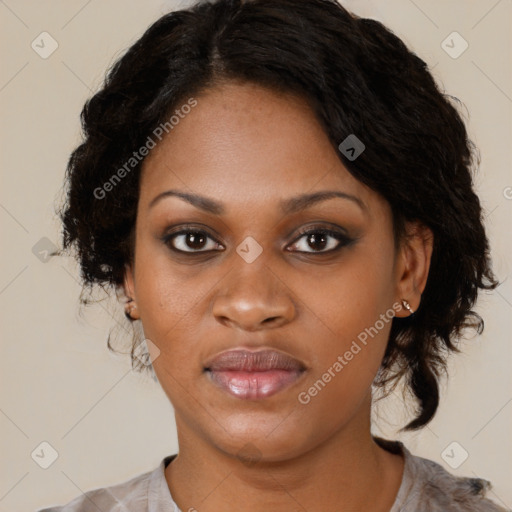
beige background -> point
(59, 383)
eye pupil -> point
(195, 240)
(317, 238)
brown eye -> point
(191, 241)
(320, 241)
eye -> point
(191, 241)
(322, 240)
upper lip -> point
(253, 361)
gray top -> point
(426, 487)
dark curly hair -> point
(359, 78)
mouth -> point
(253, 375)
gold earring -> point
(407, 306)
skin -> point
(249, 148)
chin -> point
(252, 439)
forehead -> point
(243, 143)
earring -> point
(129, 308)
(407, 306)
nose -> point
(253, 297)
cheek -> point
(351, 313)
(345, 367)
(175, 308)
(169, 308)
(346, 299)
(166, 291)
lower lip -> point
(254, 385)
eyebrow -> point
(288, 206)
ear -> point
(129, 291)
(413, 264)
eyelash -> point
(343, 240)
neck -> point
(347, 472)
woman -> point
(285, 199)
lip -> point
(253, 375)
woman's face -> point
(251, 279)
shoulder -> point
(131, 494)
(107, 499)
(433, 488)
